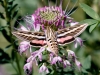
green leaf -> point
(2, 2)
(13, 54)
(4, 32)
(11, 2)
(89, 11)
(13, 7)
(87, 62)
(2, 16)
(89, 21)
(93, 27)
(2, 27)
(84, 71)
(4, 57)
(15, 13)
(7, 47)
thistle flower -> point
(53, 16)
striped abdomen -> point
(51, 40)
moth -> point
(50, 37)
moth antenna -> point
(15, 29)
(48, 2)
(67, 14)
(61, 4)
(56, 3)
(72, 12)
(43, 2)
(19, 23)
(67, 6)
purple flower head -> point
(66, 63)
(53, 16)
(28, 67)
(78, 40)
(56, 59)
(43, 68)
(23, 47)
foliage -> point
(96, 19)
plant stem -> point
(18, 65)
(13, 66)
(8, 19)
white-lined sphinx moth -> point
(50, 37)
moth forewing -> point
(83, 27)
(68, 35)
(36, 39)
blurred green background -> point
(89, 54)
